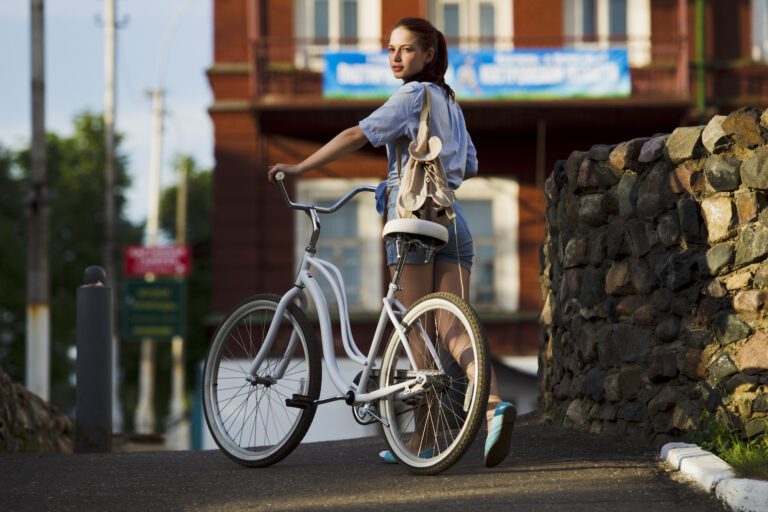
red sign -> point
(162, 260)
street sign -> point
(155, 309)
(160, 260)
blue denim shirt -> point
(398, 118)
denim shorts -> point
(451, 252)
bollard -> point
(94, 364)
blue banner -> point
(491, 74)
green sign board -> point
(155, 309)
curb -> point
(712, 474)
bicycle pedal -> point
(300, 401)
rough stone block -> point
(592, 211)
(722, 173)
(690, 219)
(593, 385)
(627, 194)
(749, 303)
(761, 403)
(634, 412)
(737, 281)
(693, 365)
(592, 287)
(752, 245)
(663, 366)
(729, 327)
(575, 253)
(668, 229)
(753, 356)
(609, 412)
(756, 427)
(714, 138)
(668, 329)
(617, 279)
(572, 166)
(680, 181)
(718, 258)
(631, 382)
(653, 149)
(600, 152)
(754, 170)
(611, 386)
(749, 204)
(594, 176)
(578, 412)
(616, 246)
(744, 126)
(631, 344)
(654, 195)
(720, 369)
(625, 154)
(643, 279)
(683, 144)
(663, 401)
(719, 217)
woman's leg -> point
(448, 278)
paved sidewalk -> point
(550, 469)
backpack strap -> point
(421, 136)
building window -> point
(760, 30)
(473, 24)
(610, 23)
(491, 209)
(322, 25)
(349, 238)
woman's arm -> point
(342, 144)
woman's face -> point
(406, 58)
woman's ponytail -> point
(429, 37)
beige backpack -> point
(424, 192)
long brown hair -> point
(429, 37)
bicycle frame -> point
(391, 310)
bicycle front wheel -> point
(429, 429)
(247, 415)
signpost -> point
(154, 309)
(161, 260)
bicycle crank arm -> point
(305, 402)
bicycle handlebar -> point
(280, 176)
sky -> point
(74, 73)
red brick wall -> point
(230, 33)
(538, 24)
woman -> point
(418, 55)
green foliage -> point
(77, 235)
(747, 457)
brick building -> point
(268, 107)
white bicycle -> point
(261, 382)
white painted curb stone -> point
(713, 475)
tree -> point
(77, 232)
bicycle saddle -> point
(423, 230)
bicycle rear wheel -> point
(247, 416)
(429, 430)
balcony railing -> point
(659, 66)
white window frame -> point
(369, 233)
(309, 55)
(503, 193)
(638, 28)
(469, 21)
(760, 30)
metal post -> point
(38, 275)
(93, 366)
(178, 430)
(110, 25)
(145, 415)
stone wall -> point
(655, 280)
(29, 424)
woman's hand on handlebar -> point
(287, 169)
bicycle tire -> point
(250, 422)
(431, 430)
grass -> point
(747, 457)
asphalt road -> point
(550, 469)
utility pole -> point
(145, 415)
(178, 430)
(38, 362)
(109, 190)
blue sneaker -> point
(500, 434)
(389, 458)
